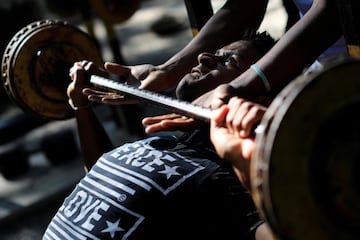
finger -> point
(242, 113)
(93, 69)
(88, 68)
(95, 98)
(74, 89)
(248, 146)
(180, 124)
(79, 77)
(220, 135)
(218, 117)
(119, 101)
(72, 71)
(117, 69)
(235, 115)
(251, 120)
(100, 98)
(97, 91)
(108, 97)
(155, 119)
(102, 94)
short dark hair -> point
(263, 41)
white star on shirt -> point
(112, 228)
(169, 171)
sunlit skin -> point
(315, 32)
(169, 122)
(76, 89)
(212, 70)
(231, 133)
(143, 76)
(96, 94)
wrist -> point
(76, 107)
(249, 85)
(177, 67)
(262, 77)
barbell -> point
(307, 156)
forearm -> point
(94, 140)
(295, 51)
(228, 24)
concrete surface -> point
(28, 202)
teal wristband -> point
(261, 74)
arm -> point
(94, 140)
(227, 25)
(231, 131)
(298, 48)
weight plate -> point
(36, 63)
(304, 170)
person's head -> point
(223, 66)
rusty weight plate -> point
(36, 63)
(306, 165)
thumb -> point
(117, 69)
(219, 115)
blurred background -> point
(35, 171)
